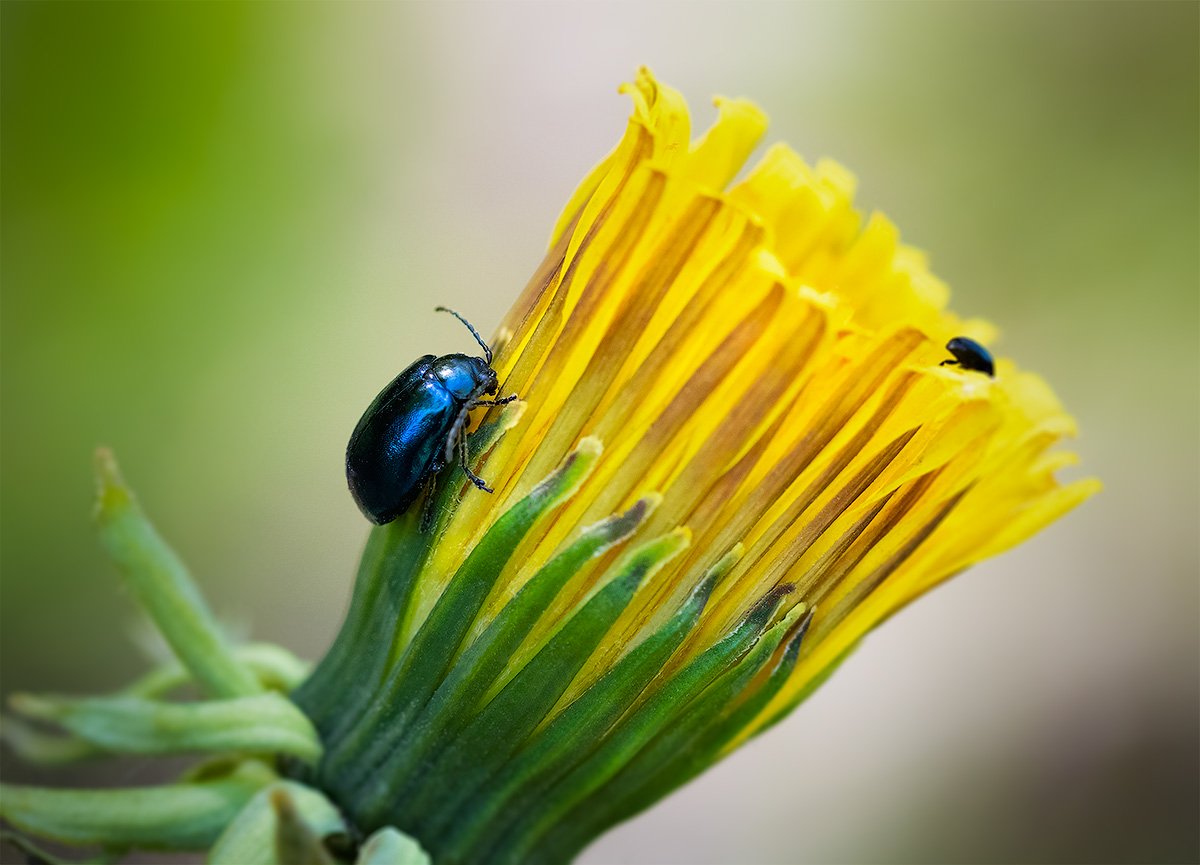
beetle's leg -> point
(456, 433)
(430, 493)
(949, 362)
(427, 508)
(505, 400)
(462, 460)
(456, 441)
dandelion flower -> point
(735, 451)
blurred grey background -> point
(225, 227)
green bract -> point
(434, 738)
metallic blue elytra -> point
(415, 427)
(970, 355)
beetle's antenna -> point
(487, 351)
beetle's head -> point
(487, 377)
(465, 377)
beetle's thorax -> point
(465, 377)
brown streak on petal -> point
(722, 492)
(545, 332)
(723, 444)
(879, 364)
(833, 416)
(582, 317)
(682, 329)
(745, 514)
(784, 560)
(719, 496)
(731, 435)
(878, 529)
(653, 448)
(521, 314)
(562, 344)
(876, 578)
(637, 307)
(817, 571)
(690, 397)
(846, 455)
(804, 582)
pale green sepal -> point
(173, 817)
(390, 846)
(274, 666)
(47, 749)
(250, 838)
(277, 669)
(295, 841)
(163, 587)
(265, 723)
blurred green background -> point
(225, 227)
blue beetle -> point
(415, 427)
(969, 355)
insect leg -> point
(456, 445)
(427, 509)
(456, 432)
(505, 400)
(462, 460)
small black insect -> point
(415, 427)
(969, 355)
